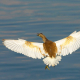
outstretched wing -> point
(68, 44)
(31, 49)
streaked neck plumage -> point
(43, 37)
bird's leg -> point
(47, 67)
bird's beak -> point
(37, 34)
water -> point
(23, 19)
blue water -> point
(56, 19)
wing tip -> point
(3, 40)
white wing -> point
(31, 49)
(68, 44)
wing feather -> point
(31, 49)
(68, 44)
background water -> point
(23, 19)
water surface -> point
(23, 19)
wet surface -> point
(23, 19)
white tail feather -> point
(52, 61)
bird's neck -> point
(44, 38)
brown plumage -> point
(49, 46)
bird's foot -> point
(47, 67)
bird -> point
(50, 51)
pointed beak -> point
(37, 34)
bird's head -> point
(39, 34)
(42, 36)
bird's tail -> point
(52, 61)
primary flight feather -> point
(50, 51)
